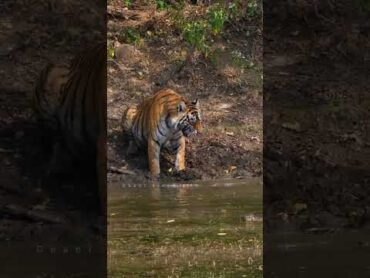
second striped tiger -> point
(70, 99)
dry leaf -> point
(299, 207)
(232, 168)
(221, 234)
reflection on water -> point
(205, 229)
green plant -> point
(236, 9)
(161, 4)
(252, 8)
(240, 60)
(110, 52)
(364, 5)
(177, 17)
(180, 5)
(130, 35)
(216, 20)
(233, 9)
(195, 34)
(213, 56)
(127, 3)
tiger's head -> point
(191, 123)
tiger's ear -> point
(181, 107)
(196, 103)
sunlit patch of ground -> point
(228, 86)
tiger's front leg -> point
(180, 154)
(153, 158)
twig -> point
(116, 170)
(6, 151)
(33, 215)
(120, 66)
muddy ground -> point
(230, 95)
(316, 115)
(35, 209)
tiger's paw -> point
(184, 175)
(154, 177)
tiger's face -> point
(194, 116)
(191, 123)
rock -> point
(127, 55)
(295, 126)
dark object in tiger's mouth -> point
(189, 130)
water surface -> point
(341, 254)
(203, 229)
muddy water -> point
(203, 229)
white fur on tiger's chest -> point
(166, 131)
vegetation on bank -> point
(201, 26)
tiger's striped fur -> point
(162, 121)
(72, 100)
(81, 113)
(47, 93)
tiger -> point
(47, 93)
(71, 100)
(163, 121)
